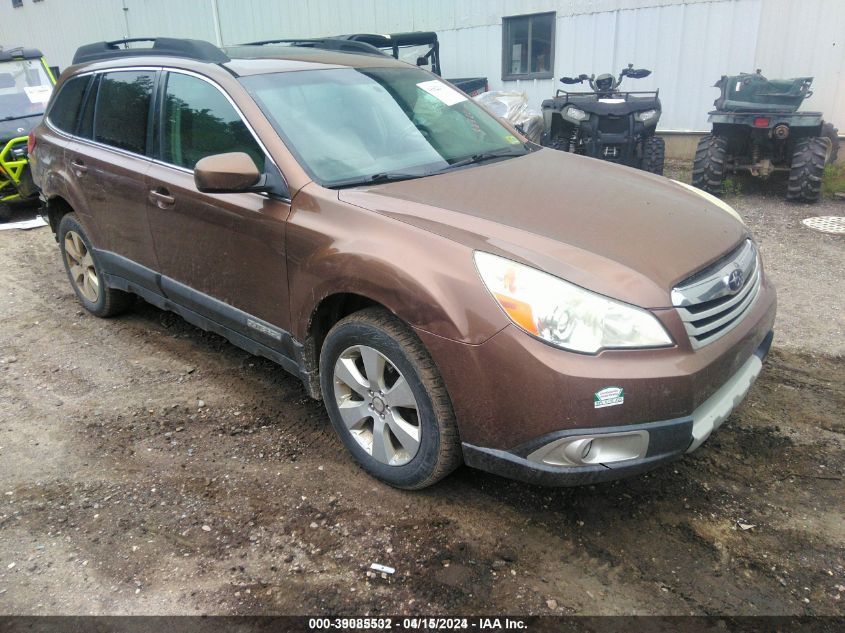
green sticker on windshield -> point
(510, 138)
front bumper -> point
(535, 461)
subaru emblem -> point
(735, 280)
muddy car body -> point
(536, 314)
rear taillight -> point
(30, 143)
(761, 122)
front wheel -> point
(654, 152)
(387, 402)
(708, 168)
(807, 169)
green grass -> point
(833, 180)
(731, 187)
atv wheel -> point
(654, 151)
(807, 169)
(833, 134)
(5, 212)
(708, 169)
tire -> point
(430, 448)
(708, 169)
(85, 274)
(5, 212)
(654, 152)
(807, 170)
(833, 134)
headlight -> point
(575, 114)
(564, 314)
(646, 116)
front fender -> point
(426, 280)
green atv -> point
(26, 83)
(757, 128)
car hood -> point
(618, 231)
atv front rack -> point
(616, 95)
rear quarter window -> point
(64, 112)
(123, 106)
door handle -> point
(161, 198)
(79, 168)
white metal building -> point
(687, 44)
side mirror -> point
(234, 172)
(422, 61)
(638, 73)
(570, 80)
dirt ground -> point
(148, 467)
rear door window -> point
(64, 112)
(200, 121)
(123, 106)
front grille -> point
(613, 125)
(707, 304)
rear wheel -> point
(708, 169)
(387, 401)
(84, 273)
(807, 170)
(654, 151)
(5, 212)
(833, 134)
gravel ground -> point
(148, 467)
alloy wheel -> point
(377, 405)
(81, 267)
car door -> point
(108, 162)
(220, 255)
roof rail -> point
(164, 46)
(326, 43)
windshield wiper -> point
(376, 179)
(20, 116)
(484, 157)
(395, 176)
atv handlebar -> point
(630, 71)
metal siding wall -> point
(687, 43)
(687, 46)
(806, 38)
(58, 28)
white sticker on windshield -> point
(442, 92)
(38, 94)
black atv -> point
(757, 128)
(606, 123)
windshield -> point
(24, 88)
(354, 124)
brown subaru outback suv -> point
(451, 292)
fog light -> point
(599, 448)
